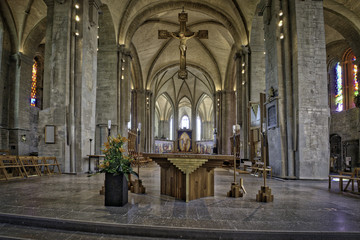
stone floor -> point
(70, 207)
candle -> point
(109, 124)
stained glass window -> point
(33, 84)
(338, 88)
(356, 83)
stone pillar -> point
(176, 125)
(70, 82)
(85, 81)
(139, 114)
(257, 63)
(125, 91)
(228, 119)
(149, 121)
(107, 75)
(242, 95)
(58, 78)
(20, 111)
(295, 80)
(193, 126)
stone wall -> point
(345, 124)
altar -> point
(187, 176)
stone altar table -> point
(187, 176)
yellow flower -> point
(107, 164)
(116, 140)
(124, 139)
(102, 166)
(121, 150)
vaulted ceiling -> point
(136, 24)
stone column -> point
(176, 125)
(107, 75)
(228, 119)
(257, 63)
(20, 112)
(295, 80)
(139, 114)
(242, 95)
(85, 81)
(193, 126)
(124, 105)
(58, 81)
(217, 120)
(149, 121)
(70, 82)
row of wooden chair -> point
(27, 166)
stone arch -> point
(126, 33)
(344, 25)
(165, 68)
(10, 25)
(34, 38)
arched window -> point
(338, 88)
(198, 128)
(171, 127)
(185, 123)
(34, 83)
(345, 83)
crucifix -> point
(183, 35)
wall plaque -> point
(271, 113)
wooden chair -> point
(4, 152)
(10, 168)
(52, 163)
(351, 177)
(138, 157)
(29, 166)
(43, 166)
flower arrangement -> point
(115, 160)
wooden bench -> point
(29, 166)
(351, 177)
(4, 152)
(52, 164)
(10, 168)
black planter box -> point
(116, 190)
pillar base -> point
(235, 190)
(264, 195)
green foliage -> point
(115, 159)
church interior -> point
(267, 87)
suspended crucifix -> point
(183, 35)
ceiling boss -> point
(183, 35)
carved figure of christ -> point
(183, 35)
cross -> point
(183, 35)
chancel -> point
(172, 78)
